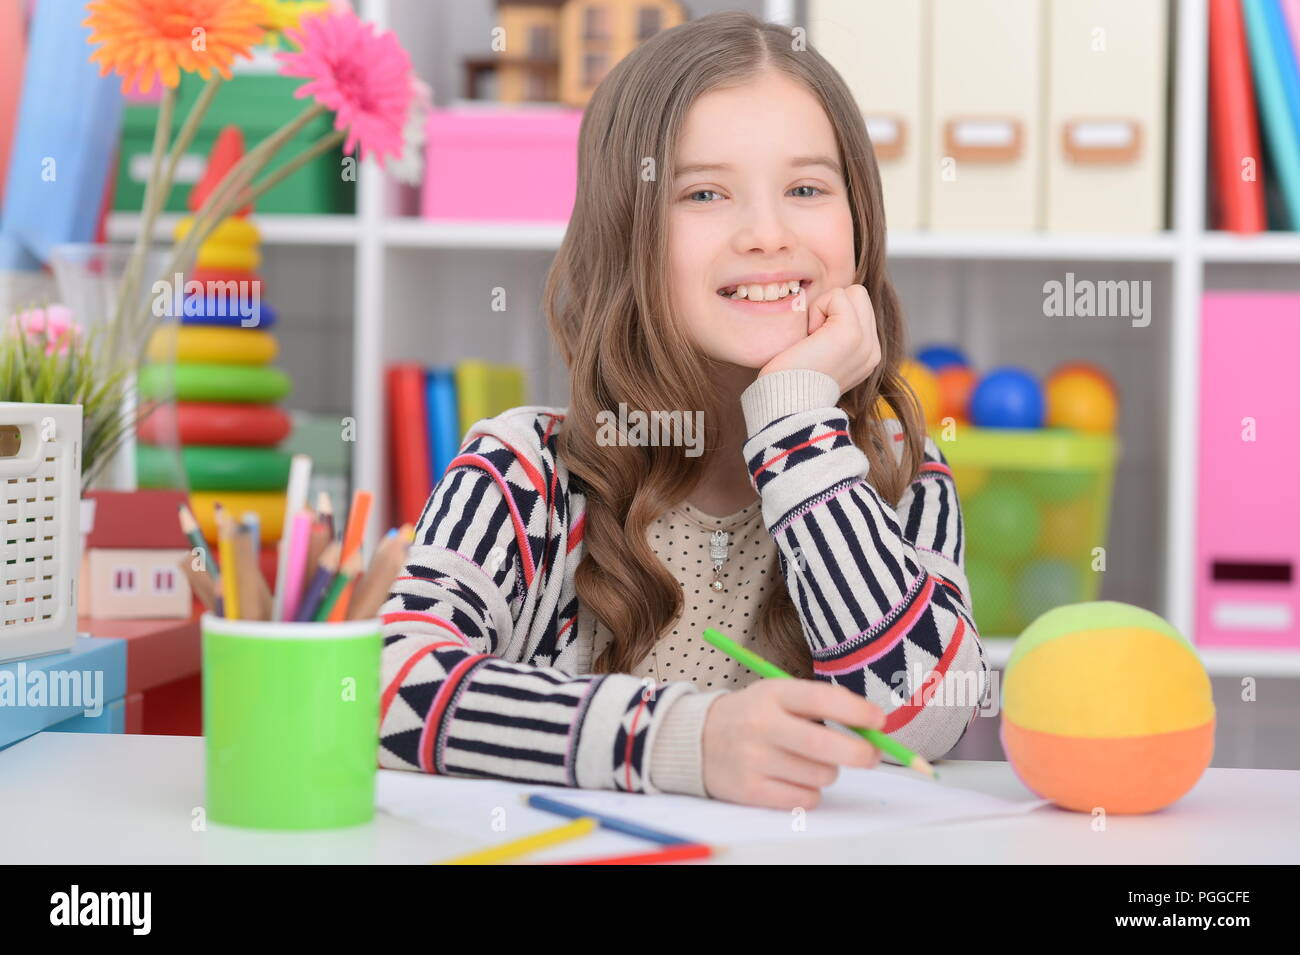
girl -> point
(725, 259)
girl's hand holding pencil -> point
(763, 748)
(319, 577)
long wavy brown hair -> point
(608, 304)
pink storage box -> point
(513, 165)
(1248, 509)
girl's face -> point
(759, 200)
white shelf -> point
(415, 233)
(505, 236)
(1156, 247)
(1260, 247)
(1218, 661)
(430, 234)
(274, 229)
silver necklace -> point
(719, 545)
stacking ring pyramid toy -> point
(226, 416)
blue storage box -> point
(81, 691)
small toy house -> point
(558, 50)
(130, 565)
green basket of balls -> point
(1033, 462)
(1036, 505)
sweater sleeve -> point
(453, 701)
(880, 591)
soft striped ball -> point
(1105, 705)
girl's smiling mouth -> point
(778, 296)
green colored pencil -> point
(340, 582)
(768, 669)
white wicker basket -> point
(40, 528)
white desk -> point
(91, 799)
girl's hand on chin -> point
(842, 339)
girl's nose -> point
(763, 229)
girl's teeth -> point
(766, 293)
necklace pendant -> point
(718, 546)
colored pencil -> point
(353, 536)
(226, 548)
(191, 528)
(200, 582)
(323, 574)
(254, 525)
(325, 511)
(376, 583)
(338, 587)
(547, 804)
(257, 581)
(316, 543)
(671, 854)
(254, 595)
(365, 581)
(295, 500)
(518, 847)
(767, 669)
(296, 568)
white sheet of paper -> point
(861, 801)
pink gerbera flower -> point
(362, 76)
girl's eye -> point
(813, 188)
(703, 192)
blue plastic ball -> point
(938, 357)
(1007, 398)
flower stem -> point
(154, 197)
(321, 146)
(217, 205)
(190, 127)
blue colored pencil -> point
(547, 804)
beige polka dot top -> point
(681, 538)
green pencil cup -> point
(291, 722)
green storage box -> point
(258, 104)
(1035, 506)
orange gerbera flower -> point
(144, 39)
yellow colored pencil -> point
(226, 554)
(519, 847)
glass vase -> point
(133, 351)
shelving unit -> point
(1218, 662)
(275, 230)
(405, 232)
(390, 263)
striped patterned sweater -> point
(487, 653)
